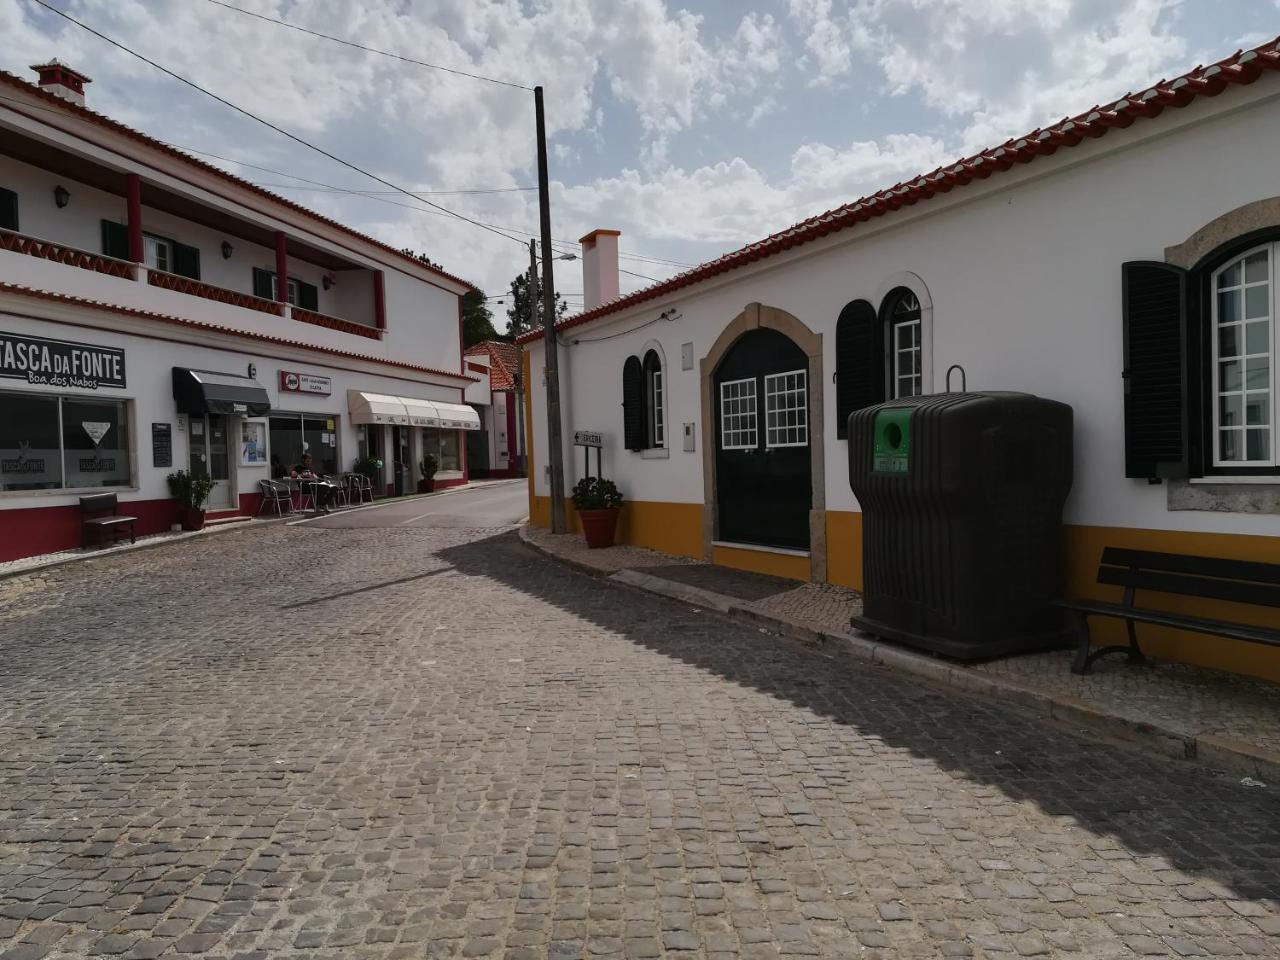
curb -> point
(1209, 750)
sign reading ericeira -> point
(60, 363)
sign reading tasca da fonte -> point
(60, 363)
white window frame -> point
(1273, 383)
(154, 249)
(752, 416)
(776, 388)
(657, 417)
(915, 351)
(293, 290)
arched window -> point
(859, 362)
(904, 342)
(654, 400)
(1243, 375)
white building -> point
(497, 449)
(144, 328)
(1122, 262)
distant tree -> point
(477, 319)
(518, 312)
(410, 252)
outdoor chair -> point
(276, 496)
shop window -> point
(51, 443)
(8, 210)
(293, 434)
(443, 445)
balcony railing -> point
(171, 281)
(334, 323)
(61, 253)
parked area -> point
(426, 739)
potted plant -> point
(598, 502)
(428, 466)
(191, 490)
(370, 467)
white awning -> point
(376, 408)
(457, 416)
(422, 413)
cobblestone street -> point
(431, 741)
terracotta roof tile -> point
(36, 294)
(504, 361)
(1237, 69)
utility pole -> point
(555, 446)
(531, 290)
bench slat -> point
(1219, 567)
(1235, 591)
(1234, 631)
(107, 521)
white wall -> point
(1024, 274)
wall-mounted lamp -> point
(227, 249)
(328, 280)
(61, 196)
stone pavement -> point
(1223, 719)
(432, 742)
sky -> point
(692, 128)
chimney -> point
(599, 267)
(60, 80)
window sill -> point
(1251, 495)
(1258, 480)
(655, 453)
(65, 492)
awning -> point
(376, 408)
(198, 392)
(422, 413)
(457, 416)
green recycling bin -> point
(962, 497)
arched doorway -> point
(763, 432)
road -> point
(486, 504)
(401, 734)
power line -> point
(375, 193)
(361, 46)
(267, 123)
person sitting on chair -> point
(323, 488)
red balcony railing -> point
(335, 323)
(171, 281)
(61, 253)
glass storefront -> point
(293, 434)
(71, 443)
(443, 445)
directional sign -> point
(587, 438)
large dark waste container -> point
(962, 497)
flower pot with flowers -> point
(191, 490)
(428, 467)
(598, 503)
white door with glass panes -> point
(208, 440)
(1245, 385)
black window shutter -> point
(262, 284)
(308, 296)
(1156, 422)
(8, 210)
(633, 404)
(186, 261)
(115, 240)
(859, 362)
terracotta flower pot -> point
(192, 518)
(598, 526)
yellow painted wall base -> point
(762, 561)
(844, 548)
(674, 528)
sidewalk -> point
(1222, 720)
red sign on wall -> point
(291, 382)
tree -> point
(518, 312)
(477, 319)
(410, 252)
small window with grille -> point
(738, 415)
(786, 404)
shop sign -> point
(61, 363)
(291, 382)
(587, 438)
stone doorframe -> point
(755, 316)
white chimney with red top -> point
(599, 267)
(59, 79)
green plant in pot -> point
(428, 467)
(598, 503)
(370, 467)
(191, 490)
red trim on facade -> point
(171, 281)
(58, 253)
(282, 267)
(1238, 69)
(334, 323)
(115, 126)
(513, 457)
(30, 531)
(462, 343)
(456, 482)
(52, 297)
(379, 301)
(133, 203)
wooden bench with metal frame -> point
(98, 512)
(1238, 581)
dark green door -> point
(763, 486)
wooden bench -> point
(1239, 581)
(98, 513)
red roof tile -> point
(104, 121)
(504, 359)
(35, 294)
(1237, 69)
